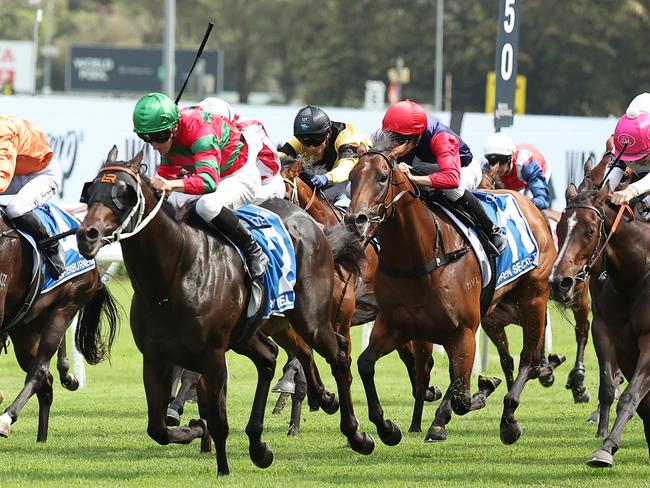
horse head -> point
(583, 231)
(291, 169)
(377, 185)
(489, 180)
(116, 204)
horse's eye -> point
(382, 177)
(590, 233)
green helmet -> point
(154, 112)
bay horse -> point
(579, 307)
(41, 332)
(598, 233)
(190, 299)
(420, 299)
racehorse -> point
(579, 307)
(430, 286)
(327, 214)
(600, 235)
(183, 314)
(41, 332)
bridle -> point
(603, 236)
(135, 219)
(294, 193)
(385, 211)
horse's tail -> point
(346, 249)
(365, 308)
(89, 339)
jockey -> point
(222, 177)
(332, 145)
(28, 171)
(445, 160)
(521, 167)
(268, 159)
(632, 144)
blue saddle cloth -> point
(56, 221)
(522, 253)
(273, 238)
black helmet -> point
(310, 120)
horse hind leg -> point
(68, 380)
(45, 395)
(175, 409)
(297, 397)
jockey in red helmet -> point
(444, 160)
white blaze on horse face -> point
(571, 224)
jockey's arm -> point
(445, 146)
(343, 165)
(534, 177)
(641, 186)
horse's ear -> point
(136, 162)
(570, 193)
(588, 166)
(296, 168)
(397, 151)
(603, 193)
(362, 149)
(112, 156)
(609, 145)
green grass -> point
(98, 435)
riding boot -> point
(53, 252)
(473, 206)
(229, 224)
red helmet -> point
(405, 117)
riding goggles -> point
(312, 139)
(158, 137)
(500, 159)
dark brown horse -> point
(40, 333)
(419, 298)
(189, 304)
(579, 307)
(597, 233)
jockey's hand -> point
(623, 196)
(319, 180)
(406, 169)
(161, 184)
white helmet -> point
(499, 143)
(217, 106)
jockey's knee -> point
(208, 208)
(453, 194)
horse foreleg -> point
(383, 340)
(576, 379)
(423, 362)
(45, 396)
(636, 390)
(263, 353)
(297, 398)
(188, 380)
(533, 321)
(608, 367)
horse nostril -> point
(92, 234)
(566, 284)
(361, 220)
(349, 219)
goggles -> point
(312, 139)
(500, 159)
(158, 137)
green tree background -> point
(584, 57)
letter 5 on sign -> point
(520, 93)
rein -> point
(140, 222)
(295, 199)
(584, 273)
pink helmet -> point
(635, 132)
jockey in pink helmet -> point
(632, 144)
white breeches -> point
(272, 187)
(470, 177)
(33, 190)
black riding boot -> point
(53, 253)
(228, 223)
(473, 206)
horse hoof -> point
(294, 430)
(70, 382)
(173, 419)
(415, 428)
(601, 459)
(436, 433)
(510, 433)
(330, 405)
(580, 395)
(200, 423)
(365, 445)
(390, 434)
(488, 385)
(594, 417)
(432, 394)
(263, 458)
(547, 380)
(5, 425)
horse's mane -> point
(384, 140)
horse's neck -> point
(627, 253)
(319, 209)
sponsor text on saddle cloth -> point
(57, 221)
(522, 253)
(280, 277)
